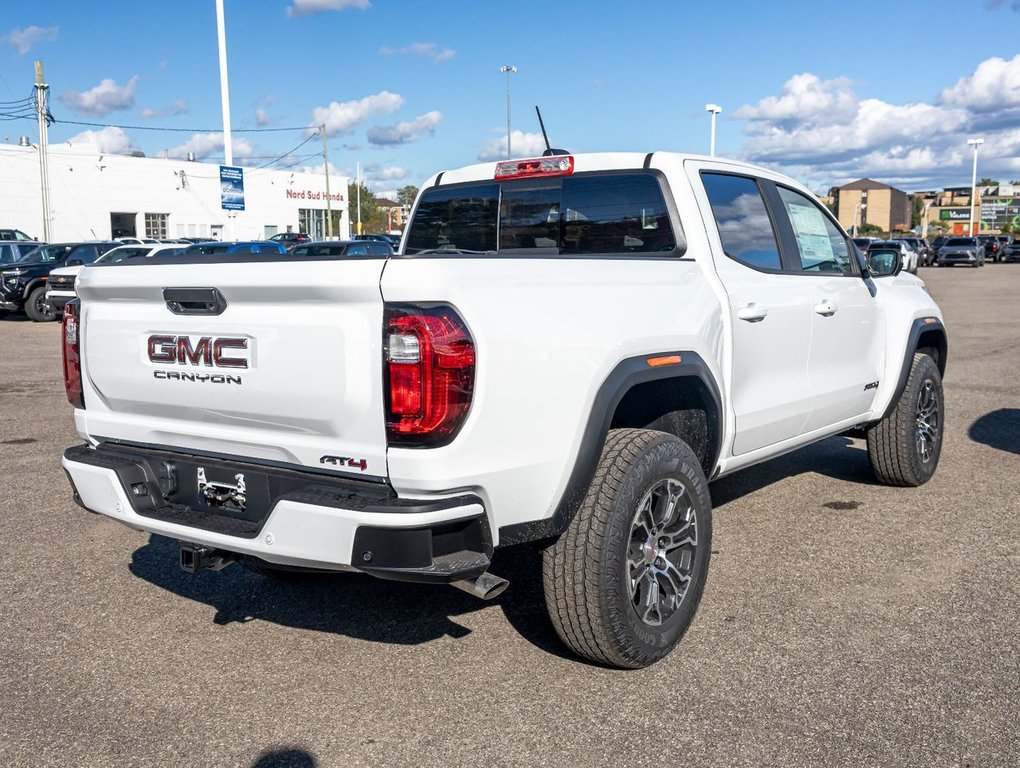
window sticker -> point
(811, 232)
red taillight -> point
(430, 374)
(72, 363)
(554, 165)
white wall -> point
(87, 186)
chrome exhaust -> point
(485, 586)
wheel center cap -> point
(650, 550)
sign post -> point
(231, 193)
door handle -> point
(752, 313)
(825, 308)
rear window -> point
(573, 215)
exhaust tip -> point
(485, 587)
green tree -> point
(986, 182)
(406, 195)
(372, 218)
(869, 229)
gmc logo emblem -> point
(209, 351)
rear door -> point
(771, 321)
(287, 370)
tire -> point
(36, 307)
(648, 489)
(904, 447)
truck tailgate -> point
(289, 371)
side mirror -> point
(884, 263)
(74, 263)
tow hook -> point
(195, 558)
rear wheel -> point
(37, 307)
(904, 447)
(623, 582)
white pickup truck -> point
(564, 351)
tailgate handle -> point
(194, 301)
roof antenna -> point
(548, 147)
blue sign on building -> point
(231, 188)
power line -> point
(182, 130)
(286, 154)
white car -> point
(60, 286)
(564, 351)
(908, 256)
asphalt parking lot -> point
(844, 623)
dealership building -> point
(97, 196)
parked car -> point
(993, 245)
(918, 256)
(937, 243)
(60, 286)
(925, 254)
(23, 284)
(1012, 251)
(908, 255)
(962, 250)
(137, 240)
(16, 234)
(348, 248)
(234, 249)
(865, 242)
(14, 250)
(290, 239)
(393, 240)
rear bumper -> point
(292, 518)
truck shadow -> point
(355, 605)
(366, 608)
(840, 458)
(998, 429)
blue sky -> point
(826, 91)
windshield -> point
(47, 254)
(961, 241)
(117, 255)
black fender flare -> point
(626, 374)
(932, 328)
(32, 284)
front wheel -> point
(623, 582)
(905, 446)
(37, 308)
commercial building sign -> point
(231, 188)
(954, 214)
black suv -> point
(23, 284)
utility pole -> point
(221, 31)
(325, 160)
(359, 196)
(508, 69)
(41, 90)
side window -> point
(743, 220)
(822, 247)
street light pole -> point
(221, 33)
(42, 113)
(924, 220)
(973, 188)
(715, 109)
(508, 69)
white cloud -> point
(381, 173)
(109, 140)
(824, 133)
(179, 107)
(994, 85)
(341, 117)
(428, 50)
(404, 132)
(209, 144)
(262, 117)
(25, 39)
(805, 96)
(521, 144)
(104, 98)
(308, 7)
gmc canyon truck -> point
(564, 351)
